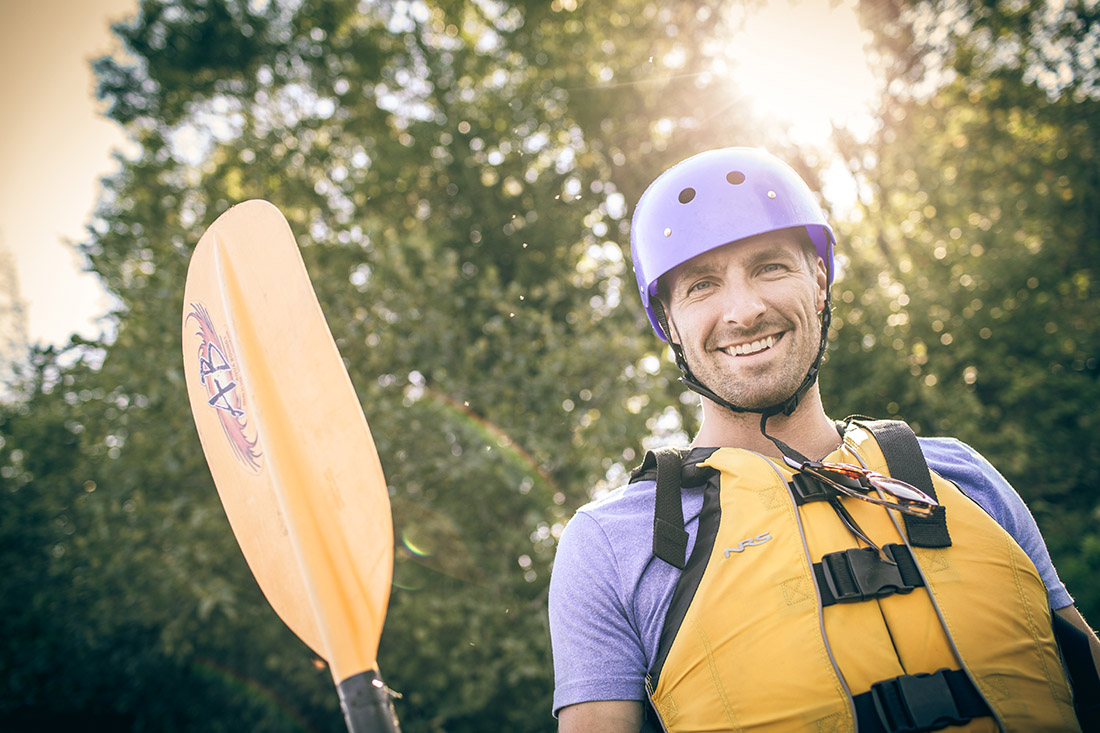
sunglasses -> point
(867, 485)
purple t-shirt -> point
(609, 595)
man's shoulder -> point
(958, 462)
(611, 527)
(946, 449)
(979, 479)
(627, 503)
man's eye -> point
(701, 285)
(773, 267)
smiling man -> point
(789, 572)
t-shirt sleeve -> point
(970, 471)
(597, 651)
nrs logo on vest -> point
(757, 540)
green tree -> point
(457, 175)
(979, 231)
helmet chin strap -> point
(785, 407)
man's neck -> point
(808, 430)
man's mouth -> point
(752, 347)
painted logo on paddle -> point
(221, 377)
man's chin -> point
(755, 404)
(758, 400)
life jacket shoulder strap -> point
(672, 469)
(669, 536)
(905, 461)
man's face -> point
(746, 316)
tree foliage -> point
(459, 175)
(979, 228)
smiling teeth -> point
(755, 346)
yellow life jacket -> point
(754, 648)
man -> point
(794, 594)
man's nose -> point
(743, 307)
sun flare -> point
(803, 64)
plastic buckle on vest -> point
(859, 574)
(917, 702)
(805, 489)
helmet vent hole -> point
(735, 177)
(687, 195)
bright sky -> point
(802, 62)
(54, 148)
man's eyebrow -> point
(698, 268)
(690, 271)
(771, 254)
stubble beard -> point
(758, 387)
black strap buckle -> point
(859, 574)
(916, 702)
(806, 488)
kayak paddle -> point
(289, 448)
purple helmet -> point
(715, 198)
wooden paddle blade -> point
(285, 438)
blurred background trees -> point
(460, 176)
(980, 229)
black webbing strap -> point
(860, 574)
(672, 469)
(647, 471)
(1083, 675)
(669, 536)
(919, 702)
(905, 461)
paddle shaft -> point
(367, 704)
